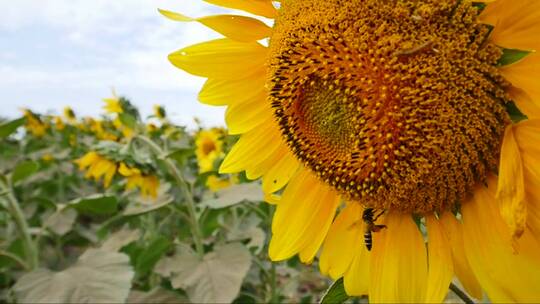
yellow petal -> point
(219, 92)
(109, 174)
(240, 28)
(340, 245)
(440, 268)
(527, 134)
(252, 148)
(356, 279)
(524, 75)
(320, 225)
(505, 274)
(88, 159)
(517, 23)
(511, 187)
(257, 7)
(398, 269)
(280, 173)
(220, 58)
(463, 270)
(244, 116)
(302, 217)
(256, 170)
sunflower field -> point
(120, 209)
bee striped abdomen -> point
(368, 240)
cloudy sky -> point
(72, 52)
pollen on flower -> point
(396, 104)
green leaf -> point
(98, 276)
(128, 120)
(8, 128)
(24, 170)
(514, 112)
(181, 155)
(95, 204)
(216, 278)
(510, 56)
(142, 206)
(335, 293)
(151, 255)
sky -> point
(73, 52)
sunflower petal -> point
(527, 134)
(511, 187)
(398, 269)
(524, 75)
(339, 247)
(220, 58)
(245, 116)
(219, 92)
(280, 173)
(302, 217)
(240, 28)
(507, 275)
(463, 270)
(252, 148)
(257, 7)
(356, 279)
(441, 270)
(517, 23)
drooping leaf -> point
(121, 238)
(234, 195)
(98, 276)
(216, 278)
(9, 127)
(24, 170)
(510, 56)
(335, 294)
(61, 221)
(95, 204)
(128, 120)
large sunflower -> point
(402, 108)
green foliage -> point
(510, 56)
(67, 236)
(335, 294)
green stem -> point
(14, 258)
(20, 221)
(184, 188)
(274, 296)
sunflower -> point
(97, 166)
(69, 114)
(160, 112)
(34, 124)
(209, 147)
(113, 104)
(390, 116)
(135, 178)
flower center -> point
(208, 146)
(396, 104)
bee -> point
(369, 220)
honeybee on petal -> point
(369, 219)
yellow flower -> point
(209, 147)
(113, 104)
(34, 124)
(47, 157)
(148, 184)
(396, 109)
(151, 128)
(126, 131)
(97, 166)
(69, 114)
(59, 123)
(214, 183)
(159, 112)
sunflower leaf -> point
(335, 293)
(8, 128)
(511, 56)
(514, 112)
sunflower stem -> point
(184, 188)
(461, 294)
(20, 221)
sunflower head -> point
(209, 147)
(363, 98)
